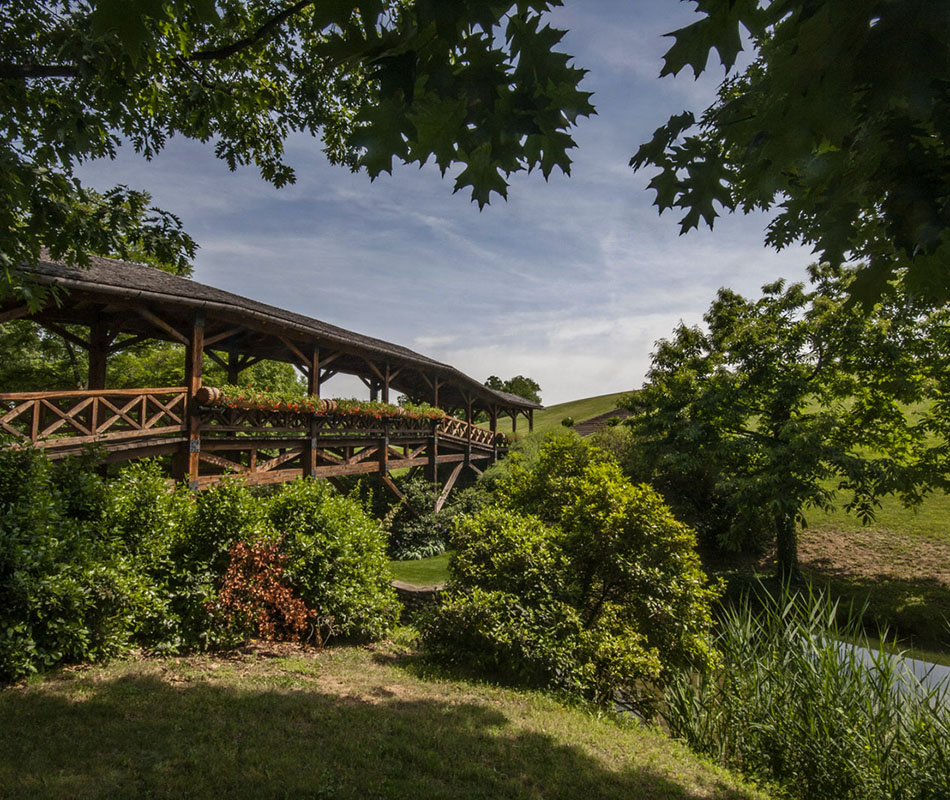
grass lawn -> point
(550, 418)
(899, 565)
(422, 571)
(346, 722)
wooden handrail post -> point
(194, 361)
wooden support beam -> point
(390, 484)
(385, 386)
(224, 463)
(67, 335)
(14, 313)
(530, 420)
(218, 360)
(125, 344)
(158, 322)
(303, 361)
(440, 501)
(218, 337)
(374, 368)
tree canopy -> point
(519, 385)
(788, 401)
(473, 84)
(841, 123)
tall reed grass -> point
(796, 703)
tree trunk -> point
(786, 540)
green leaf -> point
(483, 175)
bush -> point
(576, 580)
(66, 591)
(792, 703)
(336, 560)
(568, 422)
(90, 568)
(415, 530)
(256, 600)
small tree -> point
(788, 399)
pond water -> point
(929, 674)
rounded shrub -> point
(336, 560)
(576, 580)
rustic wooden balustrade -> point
(51, 420)
(263, 445)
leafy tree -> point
(473, 84)
(786, 400)
(519, 385)
(840, 122)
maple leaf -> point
(483, 175)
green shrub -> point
(794, 703)
(415, 530)
(568, 422)
(576, 580)
(336, 560)
(67, 592)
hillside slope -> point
(550, 417)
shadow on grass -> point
(139, 736)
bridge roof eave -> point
(110, 280)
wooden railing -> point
(58, 419)
(51, 419)
(461, 430)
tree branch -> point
(261, 33)
(17, 72)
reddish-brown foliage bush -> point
(254, 598)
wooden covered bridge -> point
(120, 304)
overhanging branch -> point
(261, 33)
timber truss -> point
(121, 304)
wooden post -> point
(432, 468)
(530, 420)
(373, 390)
(98, 355)
(313, 379)
(435, 392)
(234, 370)
(99, 342)
(313, 387)
(384, 452)
(194, 361)
(386, 374)
(493, 418)
(514, 420)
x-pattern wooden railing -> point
(460, 429)
(51, 419)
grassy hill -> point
(550, 418)
(279, 720)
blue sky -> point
(570, 281)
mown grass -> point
(346, 722)
(549, 418)
(423, 571)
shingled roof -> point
(108, 281)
